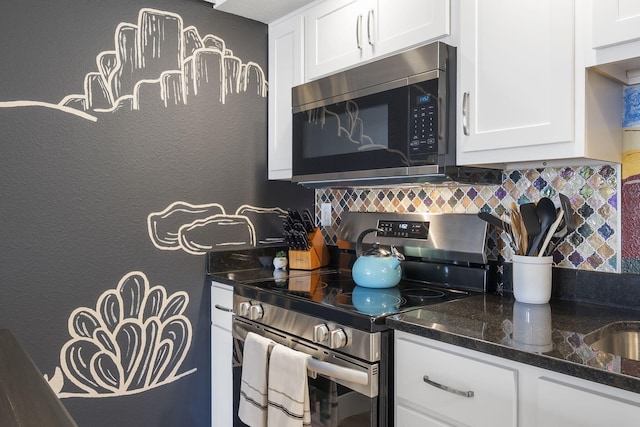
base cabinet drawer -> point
(571, 406)
(454, 388)
(406, 417)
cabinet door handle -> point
(449, 389)
(465, 113)
(219, 307)
(369, 25)
(358, 31)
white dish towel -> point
(288, 388)
(252, 409)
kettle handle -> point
(361, 236)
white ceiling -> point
(265, 11)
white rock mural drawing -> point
(198, 229)
(159, 58)
(135, 339)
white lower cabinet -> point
(221, 355)
(505, 393)
(454, 388)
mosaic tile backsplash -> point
(591, 189)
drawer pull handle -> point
(219, 307)
(445, 388)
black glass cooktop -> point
(333, 292)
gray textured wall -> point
(76, 194)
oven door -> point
(382, 133)
(338, 397)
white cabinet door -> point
(452, 387)
(516, 88)
(615, 22)
(221, 355)
(404, 23)
(286, 61)
(570, 406)
(342, 33)
(335, 36)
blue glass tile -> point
(515, 176)
(539, 183)
(606, 231)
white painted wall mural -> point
(135, 339)
(158, 58)
(198, 229)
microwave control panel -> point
(405, 229)
(423, 121)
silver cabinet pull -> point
(445, 388)
(358, 31)
(369, 25)
(219, 307)
(465, 113)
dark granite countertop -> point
(549, 336)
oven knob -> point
(320, 333)
(243, 308)
(337, 338)
(256, 312)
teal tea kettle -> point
(377, 268)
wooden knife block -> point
(317, 256)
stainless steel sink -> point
(619, 338)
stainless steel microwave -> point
(388, 121)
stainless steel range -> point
(325, 314)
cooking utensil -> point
(531, 224)
(551, 232)
(516, 224)
(546, 211)
(377, 268)
(569, 221)
(492, 219)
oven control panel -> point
(404, 229)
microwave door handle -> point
(358, 32)
(465, 113)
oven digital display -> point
(404, 229)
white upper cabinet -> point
(523, 89)
(286, 62)
(342, 33)
(615, 22)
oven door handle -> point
(330, 370)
